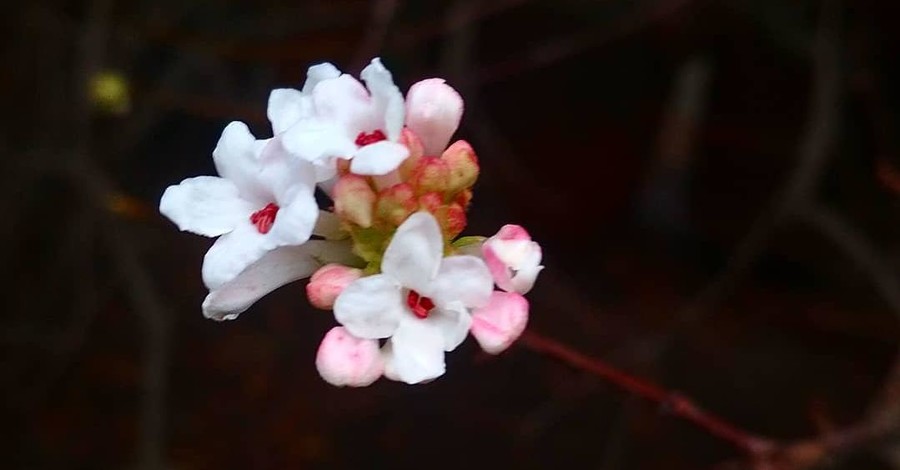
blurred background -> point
(715, 183)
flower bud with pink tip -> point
(433, 112)
(499, 323)
(513, 258)
(345, 360)
(328, 282)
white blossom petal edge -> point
(347, 118)
(420, 301)
(261, 201)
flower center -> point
(264, 218)
(370, 138)
(419, 304)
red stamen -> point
(419, 305)
(264, 218)
(370, 138)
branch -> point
(672, 402)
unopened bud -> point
(452, 218)
(431, 202)
(431, 174)
(328, 282)
(414, 144)
(396, 203)
(354, 200)
(463, 165)
(345, 360)
(464, 198)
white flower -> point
(288, 106)
(352, 121)
(420, 301)
(261, 201)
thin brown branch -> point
(865, 256)
(672, 402)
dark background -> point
(714, 183)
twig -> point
(859, 250)
(671, 402)
(799, 189)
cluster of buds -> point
(387, 257)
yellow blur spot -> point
(109, 92)
(126, 206)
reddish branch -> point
(764, 453)
(672, 402)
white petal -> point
(318, 141)
(326, 174)
(277, 268)
(294, 221)
(414, 253)
(464, 279)
(235, 159)
(318, 73)
(499, 323)
(433, 112)
(232, 253)
(344, 360)
(280, 173)
(415, 353)
(287, 106)
(453, 322)
(205, 205)
(379, 158)
(370, 307)
(387, 98)
(346, 102)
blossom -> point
(352, 121)
(288, 106)
(420, 301)
(513, 258)
(345, 360)
(261, 201)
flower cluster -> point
(387, 257)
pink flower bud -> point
(452, 218)
(345, 360)
(513, 259)
(412, 142)
(433, 111)
(498, 324)
(464, 198)
(431, 202)
(328, 282)
(396, 203)
(463, 165)
(431, 174)
(354, 200)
